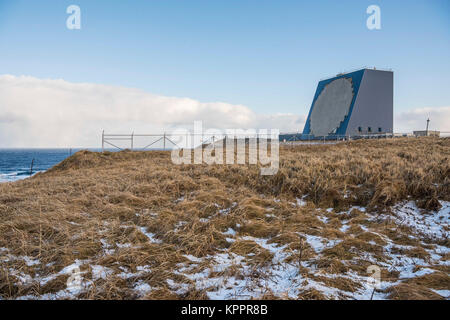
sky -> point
(147, 66)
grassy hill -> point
(132, 225)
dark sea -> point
(15, 164)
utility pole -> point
(428, 122)
(132, 140)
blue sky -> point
(265, 55)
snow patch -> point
(100, 272)
(149, 235)
(432, 225)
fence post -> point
(164, 141)
(132, 140)
(188, 143)
(31, 168)
(103, 141)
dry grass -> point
(100, 208)
(405, 291)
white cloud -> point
(416, 119)
(56, 113)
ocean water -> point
(15, 164)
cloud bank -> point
(56, 113)
(416, 119)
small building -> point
(427, 133)
(352, 104)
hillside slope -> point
(132, 225)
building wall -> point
(374, 105)
(371, 106)
(355, 78)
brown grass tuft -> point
(405, 291)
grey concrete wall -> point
(374, 105)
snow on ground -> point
(226, 211)
(301, 201)
(229, 232)
(431, 225)
(5, 257)
(444, 293)
(100, 272)
(227, 275)
(179, 225)
(142, 288)
(319, 243)
(149, 235)
(283, 279)
(30, 262)
(280, 278)
(192, 258)
(126, 274)
(344, 227)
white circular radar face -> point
(331, 107)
